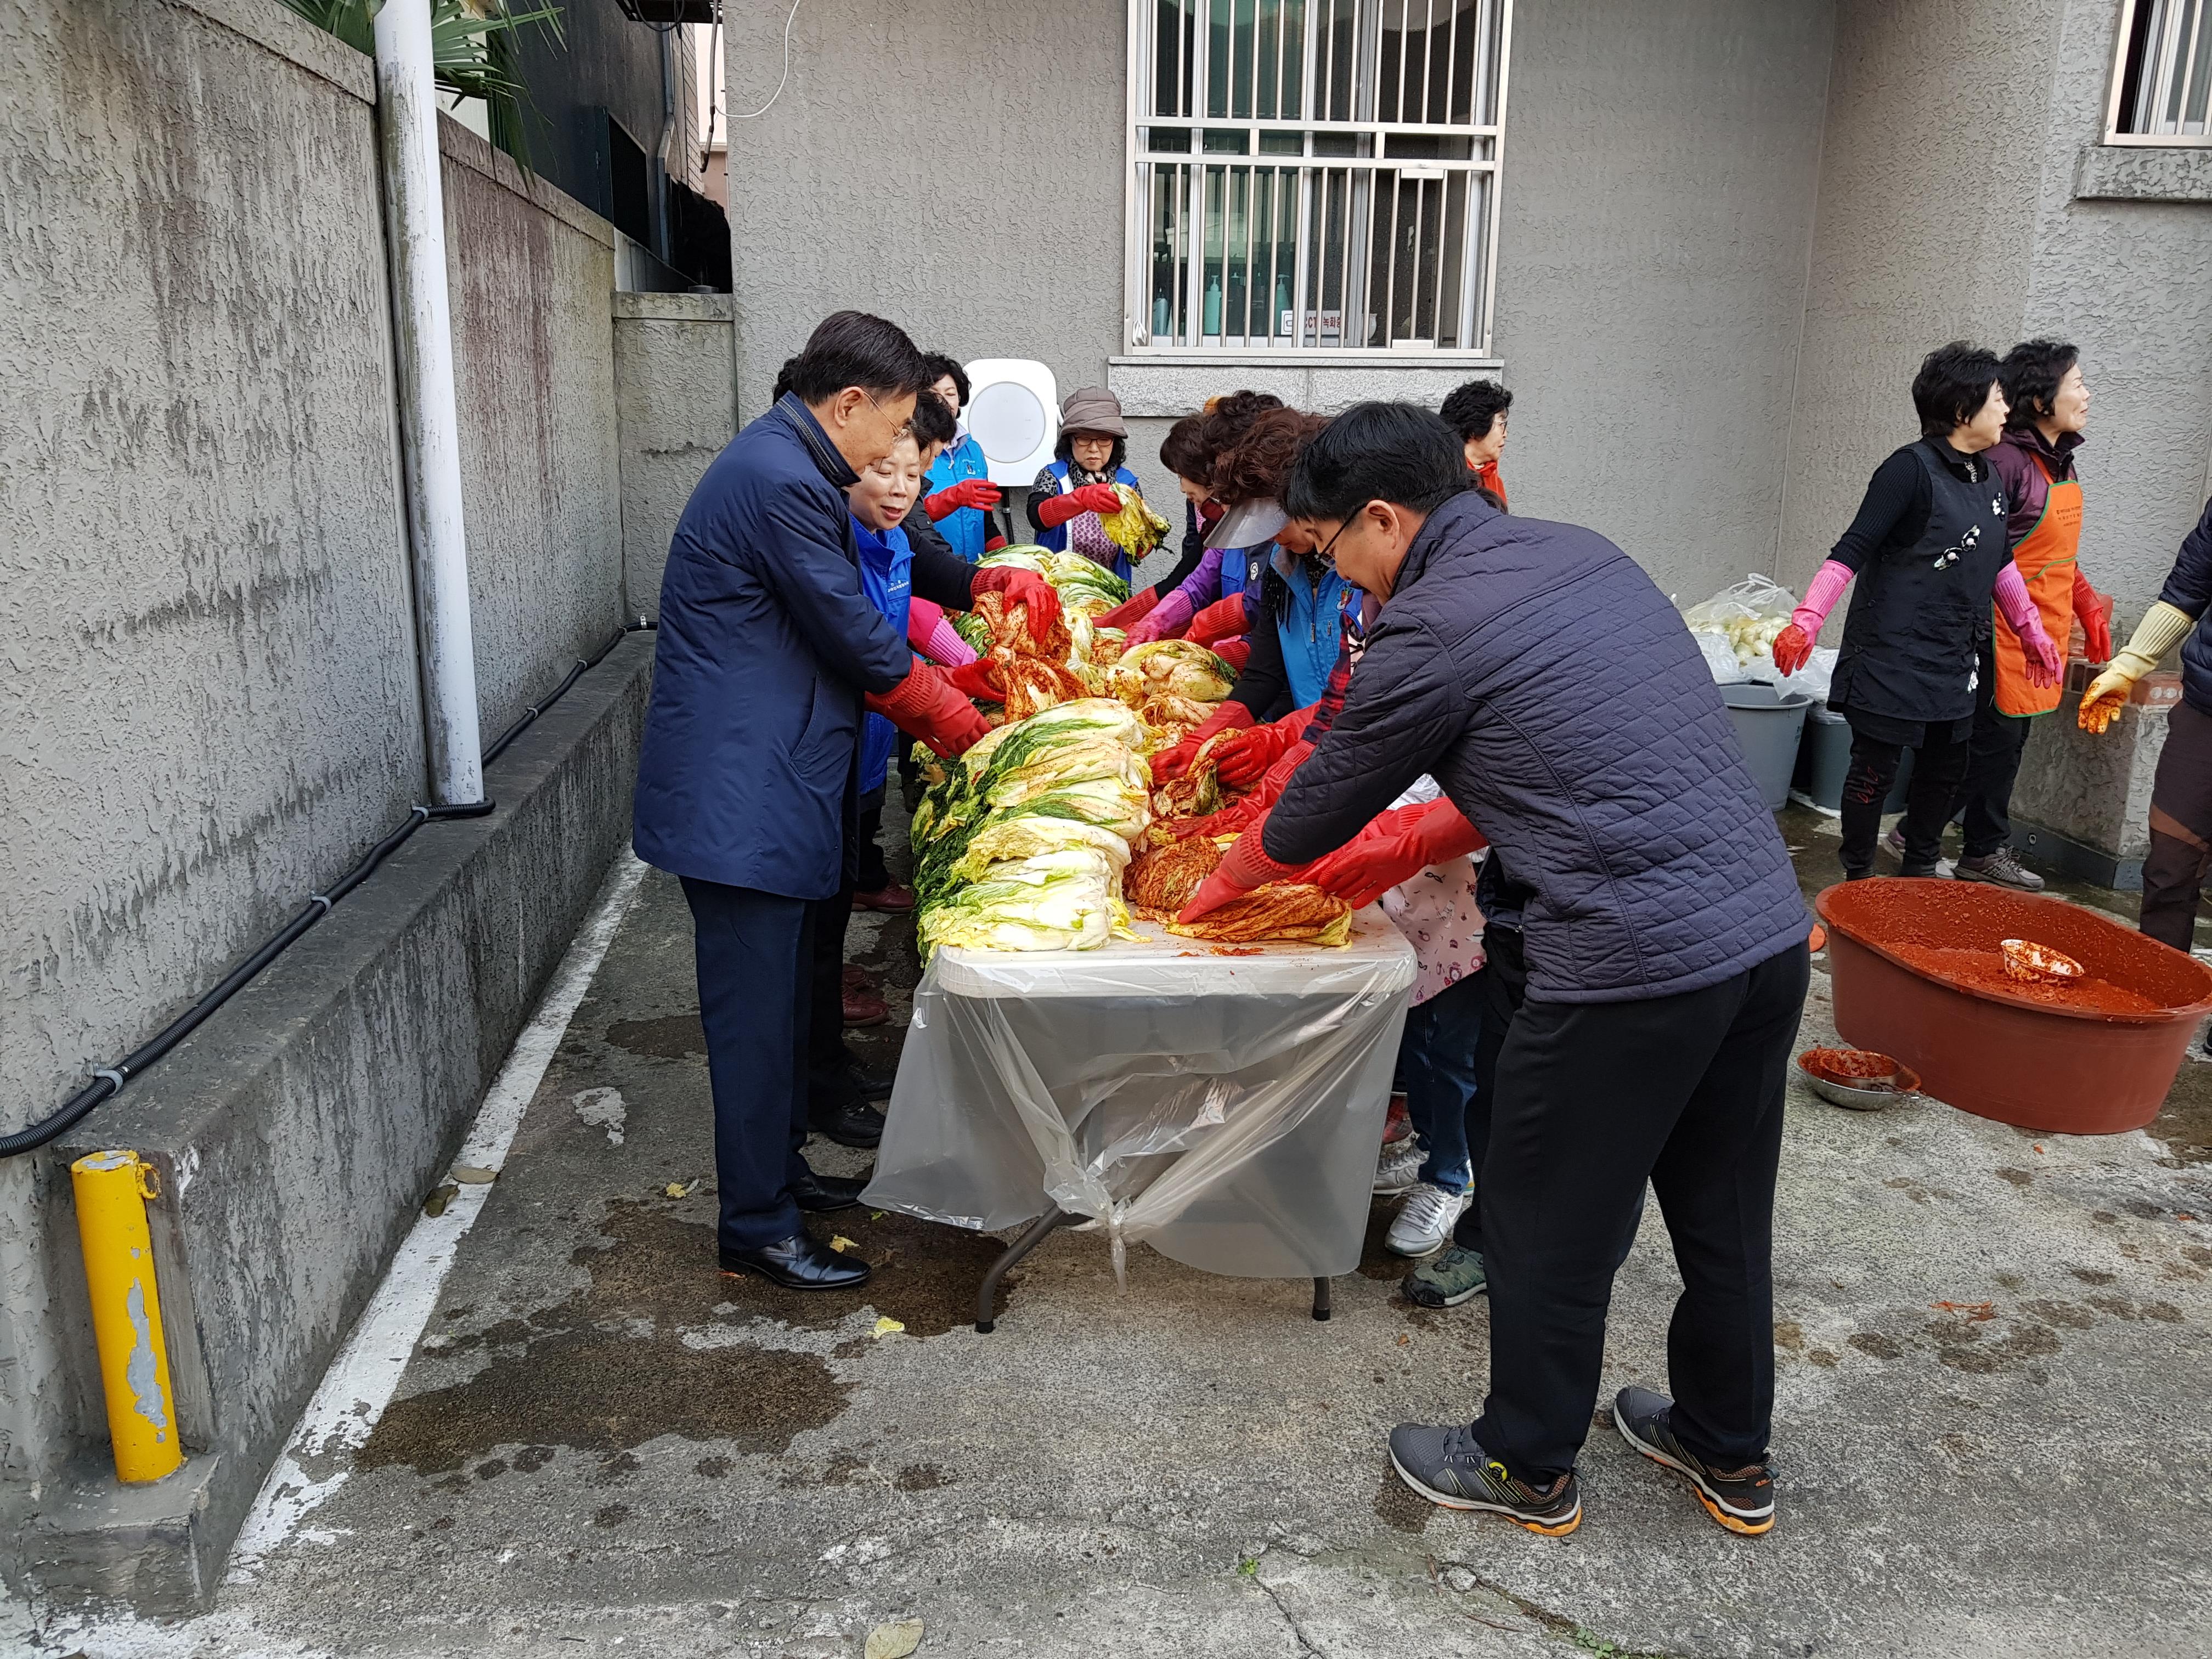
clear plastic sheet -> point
(1224, 1109)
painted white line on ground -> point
(359, 1384)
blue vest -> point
(1056, 537)
(1311, 626)
(886, 566)
(1240, 570)
(965, 528)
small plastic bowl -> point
(2036, 964)
(1860, 1095)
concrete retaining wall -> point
(297, 1132)
(676, 396)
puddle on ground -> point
(672, 1036)
(575, 1374)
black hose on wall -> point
(108, 1082)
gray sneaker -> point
(2001, 869)
(1446, 1280)
(1448, 1466)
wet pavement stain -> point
(925, 1276)
(1399, 1505)
(921, 1477)
(585, 1381)
(673, 1036)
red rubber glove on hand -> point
(969, 492)
(978, 679)
(2096, 615)
(1792, 649)
(1173, 762)
(1224, 619)
(1056, 510)
(1132, 610)
(1235, 652)
(1246, 866)
(994, 544)
(1020, 586)
(924, 705)
(1244, 759)
(1398, 845)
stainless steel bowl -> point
(1857, 1099)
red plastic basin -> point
(1906, 960)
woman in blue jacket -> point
(960, 494)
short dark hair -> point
(850, 348)
(782, 380)
(934, 423)
(2031, 373)
(1395, 452)
(938, 366)
(1952, 385)
(1065, 449)
(1471, 410)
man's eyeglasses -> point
(1326, 552)
(899, 429)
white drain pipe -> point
(429, 418)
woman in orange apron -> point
(2049, 406)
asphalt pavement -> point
(1990, 1434)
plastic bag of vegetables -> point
(1744, 618)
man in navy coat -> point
(746, 785)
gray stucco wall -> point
(1660, 167)
(211, 702)
(986, 137)
(533, 362)
(676, 398)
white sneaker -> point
(1424, 1220)
(1399, 1166)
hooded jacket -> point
(1557, 697)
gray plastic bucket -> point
(1768, 725)
(1824, 755)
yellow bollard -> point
(112, 1190)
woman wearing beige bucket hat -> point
(1069, 494)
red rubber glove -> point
(1792, 648)
(1235, 652)
(1020, 587)
(1134, 608)
(969, 492)
(1246, 866)
(978, 679)
(1244, 759)
(1224, 619)
(1398, 845)
(924, 705)
(1173, 762)
(1056, 510)
(994, 544)
(2096, 615)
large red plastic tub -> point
(1915, 967)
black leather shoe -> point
(849, 1121)
(801, 1262)
(872, 1083)
(819, 1194)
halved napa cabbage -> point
(1056, 901)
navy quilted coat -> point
(1556, 695)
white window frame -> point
(2182, 27)
(1478, 275)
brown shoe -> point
(866, 1008)
(894, 898)
(858, 979)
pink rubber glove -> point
(929, 633)
(1167, 619)
(2016, 605)
(1793, 646)
(1132, 610)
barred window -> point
(2164, 74)
(1315, 174)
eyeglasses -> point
(898, 430)
(1324, 552)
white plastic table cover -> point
(1225, 1109)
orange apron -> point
(2045, 557)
